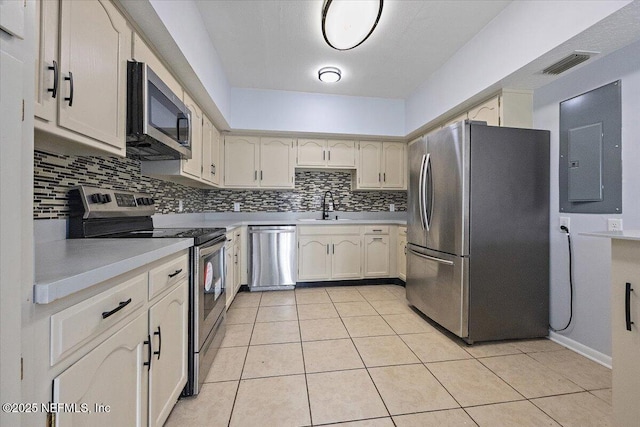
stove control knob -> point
(105, 198)
(151, 201)
(140, 201)
(95, 198)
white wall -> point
(592, 314)
(256, 109)
(522, 32)
(184, 22)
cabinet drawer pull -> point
(120, 306)
(70, 80)
(158, 333)
(148, 342)
(377, 238)
(54, 89)
(377, 230)
(175, 273)
(627, 306)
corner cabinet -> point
(81, 82)
(252, 162)
(381, 165)
(121, 355)
(625, 315)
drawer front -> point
(328, 230)
(82, 322)
(167, 275)
(376, 229)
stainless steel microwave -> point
(158, 122)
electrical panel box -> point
(590, 175)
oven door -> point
(209, 283)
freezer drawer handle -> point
(441, 261)
(120, 306)
(627, 306)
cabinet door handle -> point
(158, 333)
(54, 89)
(333, 249)
(260, 175)
(175, 273)
(70, 80)
(148, 342)
(627, 306)
(323, 155)
(378, 176)
(236, 259)
(213, 169)
(384, 177)
(327, 249)
(120, 306)
(255, 175)
(329, 155)
(405, 249)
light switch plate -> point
(564, 220)
(180, 206)
(392, 207)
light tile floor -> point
(360, 356)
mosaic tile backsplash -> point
(55, 174)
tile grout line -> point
(235, 398)
(304, 363)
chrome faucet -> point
(325, 208)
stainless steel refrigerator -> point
(478, 230)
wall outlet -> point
(564, 220)
(180, 206)
(236, 206)
(392, 207)
(614, 224)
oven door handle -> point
(207, 250)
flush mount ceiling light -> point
(348, 23)
(329, 74)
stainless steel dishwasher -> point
(272, 257)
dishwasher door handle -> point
(273, 231)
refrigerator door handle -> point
(441, 261)
(428, 211)
(421, 189)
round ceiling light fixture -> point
(348, 23)
(329, 74)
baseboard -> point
(358, 282)
(582, 349)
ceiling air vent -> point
(565, 63)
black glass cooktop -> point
(199, 235)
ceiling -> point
(278, 44)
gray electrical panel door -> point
(591, 152)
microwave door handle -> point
(178, 127)
(421, 191)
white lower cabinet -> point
(114, 374)
(314, 260)
(625, 322)
(402, 253)
(168, 371)
(234, 263)
(137, 368)
(329, 253)
(376, 255)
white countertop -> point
(622, 235)
(64, 267)
(230, 224)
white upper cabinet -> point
(95, 44)
(143, 53)
(242, 161)
(488, 111)
(322, 153)
(210, 152)
(252, 162)
(276, 162)
(382, 165)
